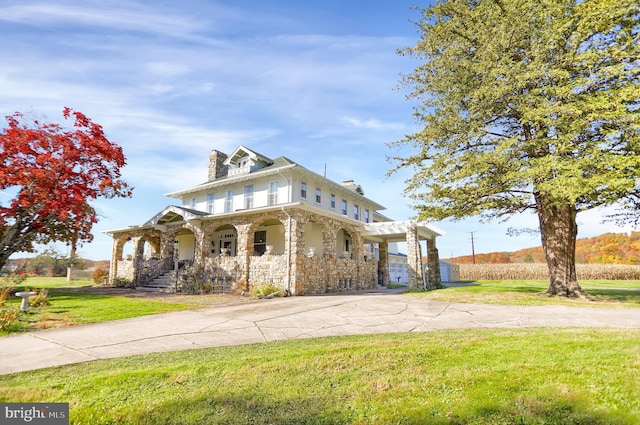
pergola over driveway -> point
(411, 232)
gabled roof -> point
(241, 152)
(174, 213)
(275, 165)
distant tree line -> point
(51, 263)
(609, 248)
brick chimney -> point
(217, 168)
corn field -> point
(539, 271)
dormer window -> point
(243, 166)
(245, 161)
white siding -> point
(284, 192)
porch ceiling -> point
(396, 231)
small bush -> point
(99, 275)
(267, 290)
(40, 300)
(13, 279)
(193, 286)
(121, 282)
(9, 318)
(9, 282)
(5, 291)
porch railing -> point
(154, 268)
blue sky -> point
(170, 81)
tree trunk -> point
(4, 257)
(559, 231)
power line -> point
(473, 249)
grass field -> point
(601, 293)
(72, 308)
(76, 304)
(53, 282)
(534, 376)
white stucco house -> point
(258, 220)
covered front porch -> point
(297, 249)
(412, 233)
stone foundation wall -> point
(327, 275)
(225, 269)
(270, 269)
(125, 270)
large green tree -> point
(525, 105)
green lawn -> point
(602, 293)
(52, 282)
(72, 308)
(73, 303)
(530, 376)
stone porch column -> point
(435, 279)
(296, 255)
(138, 259)
(115, 256)
(383, 262)
(414, 258)
(244, 251)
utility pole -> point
(473, 249)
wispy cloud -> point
(372, 124)
(128, 16)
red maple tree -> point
(54, 172)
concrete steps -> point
(163, 283)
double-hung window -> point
(303, 190)
(318, 195)
(333, 201)
(228, 201)
(210, 198)
(344, 207)
(248, 197)
(272, 194)
(356, 212)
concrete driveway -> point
(284, 318)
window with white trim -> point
(228, 201)
(272, 193)
(303, 190)
(210, 198)
(248, 197)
